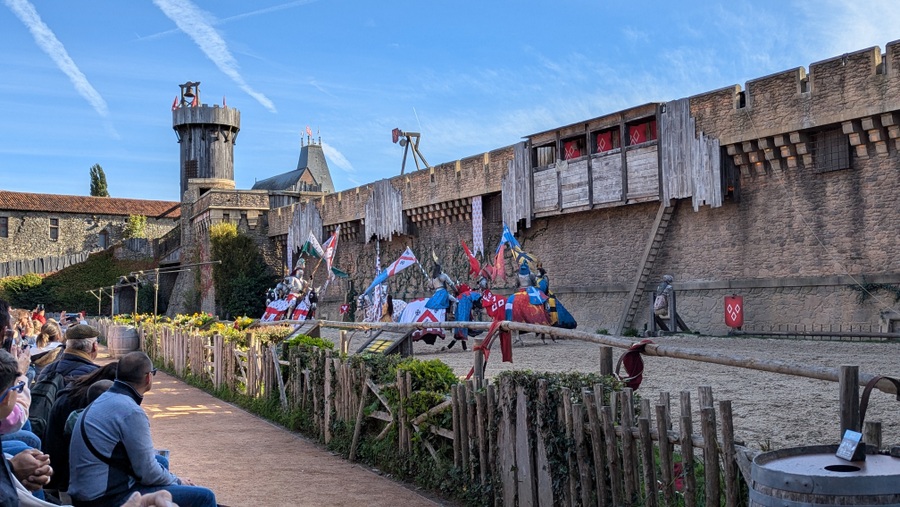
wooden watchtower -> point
(207, 135)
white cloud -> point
(337, 158)
(198, 25)
(47, 41)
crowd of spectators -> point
(56, 449)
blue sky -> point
(93, 81)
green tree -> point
(136, 227)
(241, 279)
(98, 182)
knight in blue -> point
(443, 287)
(559, 316)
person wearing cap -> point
(78, 357)
(112, 455)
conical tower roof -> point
(312, 158)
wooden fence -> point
(522, 444)
(41, 265)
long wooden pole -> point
(651, 349)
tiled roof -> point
(54, 203)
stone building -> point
(40, 233)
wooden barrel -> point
(814, 476)
(121, 340)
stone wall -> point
(793, 244)
(29, 233)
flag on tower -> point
(196, 101)
(308, 131)
(175, 103)
(223, 102)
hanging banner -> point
(477, 231)
(734, 311)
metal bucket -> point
(121, 340)
(814, 476)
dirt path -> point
(250, 462)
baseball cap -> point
(81, 332)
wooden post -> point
(565, 403)
(612, 454)
(542, 433)
(328, 396)
(463, 398)
(629, 449)
(479, 363)
(506, 438)
(345, 343)
(401, 413)
(524, 471)
(728, 455)
(589, 400)
(471, 427)
(359, 418)
(710, 456)
(606, 360)
(408, 386)
(649, 468)
(849, 398)
(872, 435)
(483, 442)
(457, 427)
(687, 451)
(663, 421)
(584, 467)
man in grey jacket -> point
(112, 454)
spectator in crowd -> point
(74, 398)
(78, 357)
(112, 454)
(38, 314)
(15, 430)
(31, 467)
(47, 346)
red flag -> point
(500, 263)
(308, 131)
(223, 102)
(474, 265)
(175, 103)
(196, 101)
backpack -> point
(43, 395)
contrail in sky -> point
(48, 42)
(222, 21)
(195, 23)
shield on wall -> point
(734, 311)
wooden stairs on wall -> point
(657, 235)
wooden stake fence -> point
(528, 446)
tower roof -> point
(313, 158)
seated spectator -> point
(15, 430)
(79, 354)
(30, 468)
(47, 347)
(112, 454)
(70, 400)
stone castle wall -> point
(793, 244)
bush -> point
(242, 277)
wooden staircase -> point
(657, 235)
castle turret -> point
(207, 135)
